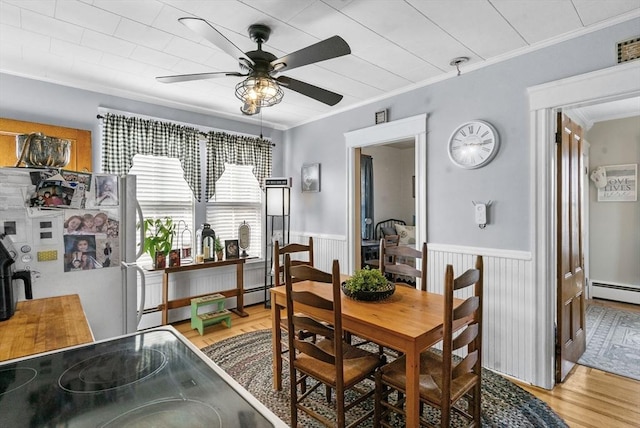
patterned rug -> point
(247, 358)
(613, 341)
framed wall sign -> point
(311, 177)
(622, 184)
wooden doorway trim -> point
(414, 127)
(609, 84)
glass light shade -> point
(277, 200)
(250, 109)
(258, 91)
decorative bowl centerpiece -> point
(37, 149)
(368, 285)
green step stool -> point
(219, 314)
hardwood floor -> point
(589, 398)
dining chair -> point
(445, 379)
(395, 260)
(389, 241)
(295, 249)
(330, 361)
(307, 260)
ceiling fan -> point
(262, 86)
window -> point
(238, 198)
(162, 191)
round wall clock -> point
(473, 144)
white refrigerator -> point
(76, 232)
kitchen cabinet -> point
(81, 156)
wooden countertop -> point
(42, 325)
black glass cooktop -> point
(148, 379)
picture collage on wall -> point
(91, 239)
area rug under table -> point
(247, 358)
(613, 341)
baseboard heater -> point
(618, 292)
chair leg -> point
(377, 409)
(477, 401)
(340, 407)
(294, 396)
(445, 414)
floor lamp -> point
(277, 209)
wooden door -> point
(570, 333)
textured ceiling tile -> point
(143, 11)
(154, 57)
(592, 12)
(45, 7)
(107, 43)
(46, 25)
(469, 23)
(86, 16)
(9, 14)
(144, 35)
(26, 39)
(188, 50)
(72, 50)
(120, 63)
(536, 23)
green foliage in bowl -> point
(366, 280)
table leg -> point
(413, 393)
(276, 344)
(165, 298)
(240, 286)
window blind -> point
(163, 192)
(238, 199)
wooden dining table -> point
(409, 321)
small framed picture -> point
(174, 258)
(310, 177)
(106, 190)
(231, 248)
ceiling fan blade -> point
(322, 95)
(207, 31)
(332, 47)
(197, 76)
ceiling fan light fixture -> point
(250, 109)
(258, 91)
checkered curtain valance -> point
(124, 137)
(239, 150)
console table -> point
(238, 291)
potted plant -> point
(158, 239)
(218, 248)
(368, 284)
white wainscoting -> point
(508, 330)
(508, 315)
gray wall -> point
(497, 94)
(614, 227)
